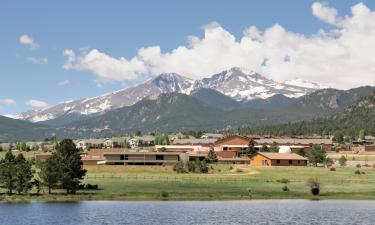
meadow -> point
(224, 182)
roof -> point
(213, 135)
(194, 141)
(287, 156)
(295, 141)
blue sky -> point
(35, 69)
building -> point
(297, 143)
(87, 144)
(212, 136)
(181, 148)
(195, 141)
(116, 142)
(363, 148)
(278, 159)
(144, 158)
(139, 141)
(233, 143)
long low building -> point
(143, 158)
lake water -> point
(189, 212)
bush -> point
(92, 187)
(314, 186)
(179, 167)
(239, 170)
(342, 160)
(332, 169)
(284, 181)
(164, 194)
(358, 165)
(191, 166)
(358, 172)
(285, 188)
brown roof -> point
(288, 156)
(302, 141)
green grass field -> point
(222, 183)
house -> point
(115, 142)
(212, 136)
(233, 143)
(370, 138)
(181, 148)
(278, 159)
(138, 141)
(87, 144)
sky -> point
(55, 51)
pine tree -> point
(71, 165)
(251, 151)
(212, 157)
(50, 172)
(8, 172)
(24, 174)
(274, 147)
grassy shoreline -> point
(224, 182)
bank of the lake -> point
(224, 182)
(190, 212)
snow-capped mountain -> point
(303, 83)
(245, 85)
(236, 83)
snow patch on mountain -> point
(237, 83)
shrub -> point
(358, 165)
(92, 187)
(239, 170)
(285, 188)
(342, 160)
(284, 181)
(314, 186)
(191, 166)
(332, 169)
(358, 172)
(179, 167)
(164, 194)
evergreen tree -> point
(264, 148)
(50, 172)
(251, 151)
(72, 171)
(8, 172)
(274, 147)
(212, 157)
(24, 174)
(317, 155)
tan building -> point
(143, 158)
(278, 159)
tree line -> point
(62, 170)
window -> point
(124, 157)
(225, 148)
(290, 162)
(278, 161)
(299, 161)
(159, 157)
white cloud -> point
(38, 60)
(7, 101)
(63, 83)
(340, 57)
(27, 40)
(325, 13)
(36, 103)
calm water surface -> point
(194, 212)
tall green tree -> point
(8, 172)
(212, 157)
(23, 174)
(50, 172)
(317, 155)
(251, 151)
(71, 165)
